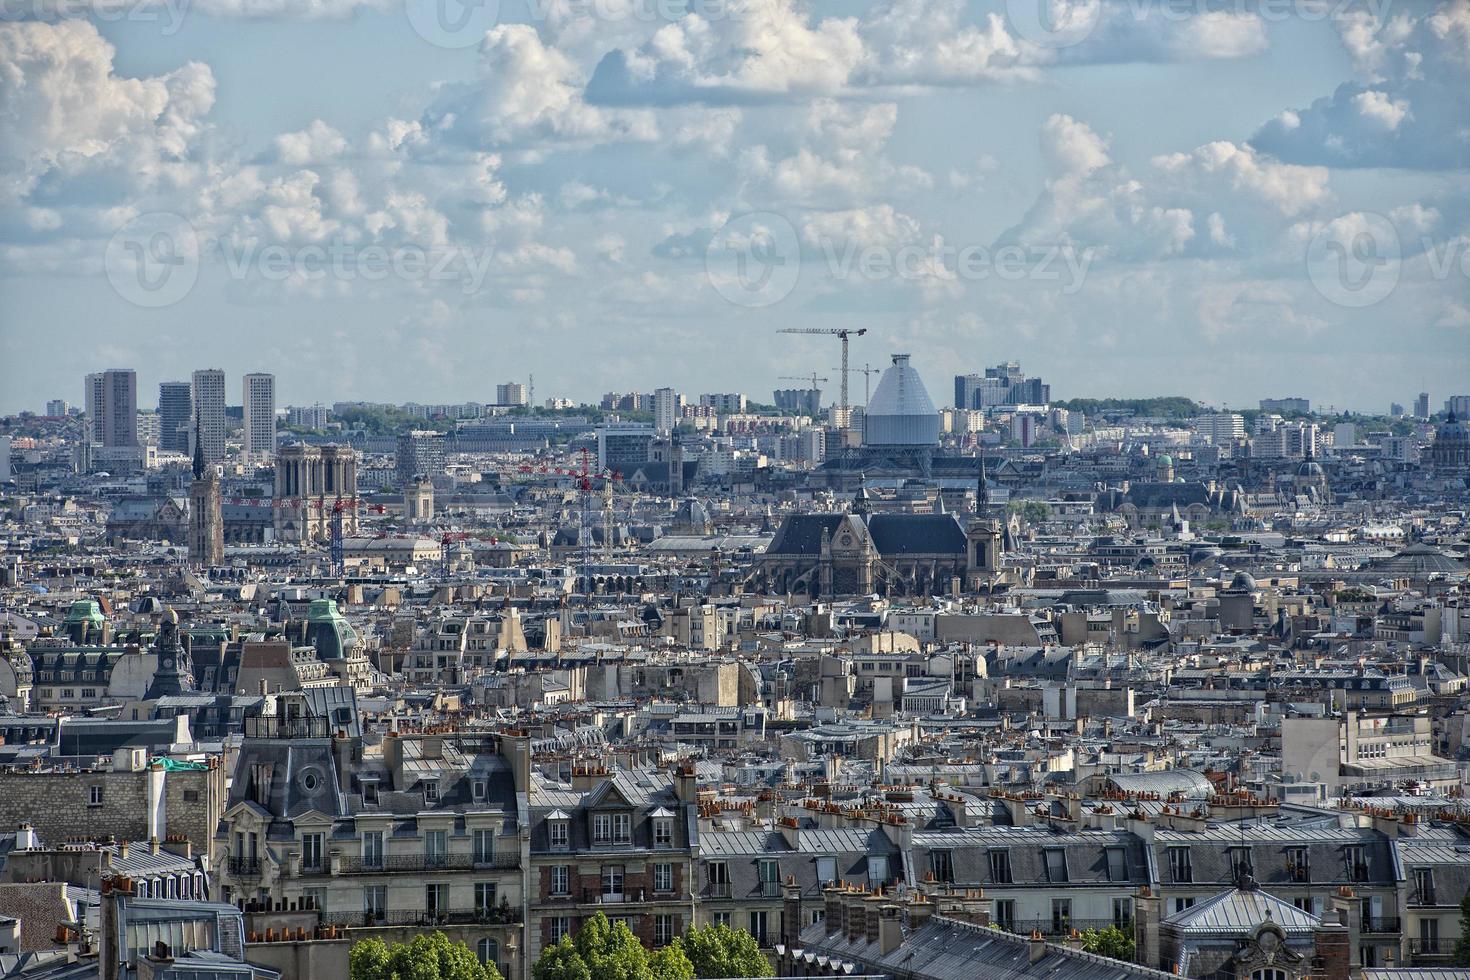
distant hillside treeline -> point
(1171, 406)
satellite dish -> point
(1316, 777)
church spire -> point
(982, 488)
(198, 448)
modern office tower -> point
(308, 416)
(1421, 406)
(149, 429)
(623, 446)
(1004, 384)
(1220, 428)
(92, 406)
(510, 393)
(1458, 405)
(420, 453)
(1395, 410)
(175, 416)
(731, 403)
(260, 414)
(668, 407)
(113, 408)
(57, 407)
(209, 413)
(1289, 406)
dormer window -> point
(559, 826)
(431, 791)
(663, 828)
(612, 828)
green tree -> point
(670, 963)
(1462, 945)
(561, 962)
(1111, 942)
(719, 951)
(428, 957)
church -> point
(861, 553)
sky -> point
(413, 200)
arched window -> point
(489, 951)
(1269, 974)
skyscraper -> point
(209, 412)
(510, 393)
(112, 398)
(668, 407)
(260, 413)
(92, 406)
(175, 412)
(1421, 406)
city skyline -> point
(570, 193)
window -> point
(311, 898)
(719, 879)
(1268, 974)
(1180, 869)
(826, 870)
(1056, 864)
(436, 848)
(612, 881)
(557, 927)
(1298, 867)
(1061, 915)
(622, 828)
(1240, 863)
(370, 793)
(1005, 913)
(877, 868)
(372, 849)
(720, 919)
(768, 871)
(942, 864)
(1356, 862)
(1122, 913)
(663, 930)
(1424, 886)
(602, 828)
(94, 795)
(488, 951)
(1428, 935)
(375, 902)
(484, 897)
(561, 880)
(311, 852)
(431, 791)
(559, 835)
(484, 846)
(758, 926)
(435, 897)
(1000, 866)
(191, 796)
(1117, 864)
(663, 877)
(663, 832)
(477, 790)
(1180, 904)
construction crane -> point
(867, 371)
(842, 333)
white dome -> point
(900, 413)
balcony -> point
(500, 915)
(242, 867)
(1431, 948)
(1382, 925)
(718, 889)
(770, 889)
(430, 862)
(1060, 927)
(596, 896)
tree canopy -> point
(604, 950)
(433, 956)
(1111, 942)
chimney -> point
(686, 784)
(872, 914)
(1146, 914)
(1333, 959)
(26, 839)
(832, 909)
(122, 850)
(1349, 912)
(890, 930)
(153, 846)
(919, 910)
(857, 928)
(1035, 948)
(790, 911)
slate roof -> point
(1241, 910)
(894, 535)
